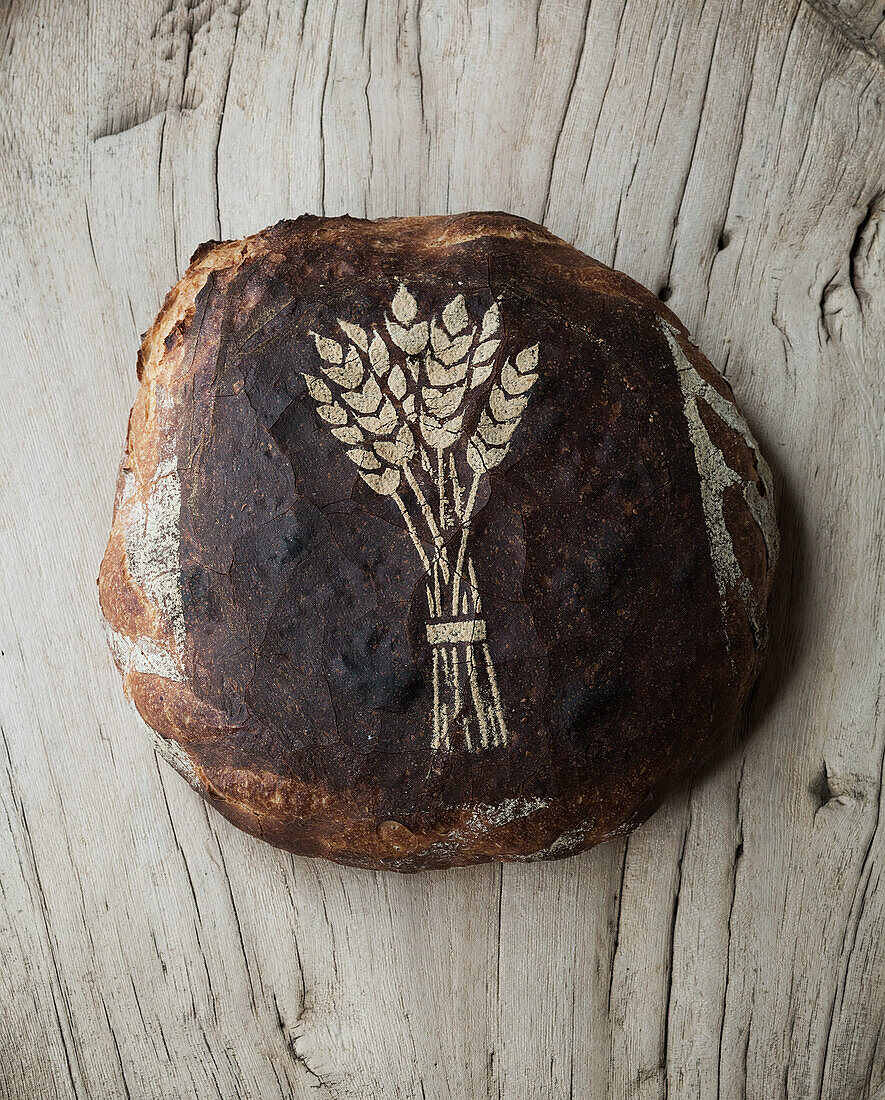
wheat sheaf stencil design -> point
(395, 396)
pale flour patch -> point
(152, 547)
(716, 476)
(175, 755)
(129, 486)
(511, 809)
(144, 655)
(564, 845)
(486, 815)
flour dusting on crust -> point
(569, 842)
(152, 541)
(175, 755)
(153, 537)
(144, 655)
(716, 476)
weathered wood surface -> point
(731, 156)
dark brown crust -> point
(663, 701)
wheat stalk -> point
(389, 409)
(490, 442)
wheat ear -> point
(507, 402)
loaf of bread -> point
(435, 542)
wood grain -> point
(730, 156)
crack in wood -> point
(831, 11)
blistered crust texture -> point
(435, 542)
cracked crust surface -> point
(266, 608)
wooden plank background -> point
(730, 154)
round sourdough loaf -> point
(435, 542)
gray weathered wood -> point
(729, 155)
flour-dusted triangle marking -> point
(318, 389)
(397, 383)
(329, 350)
(404, 306)
(350, 433)
(333, 413)
(356, 334)
(379, 356)
(350, 374)
(485, 351)
(367, 399)
(490, 321)
(455, 315)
